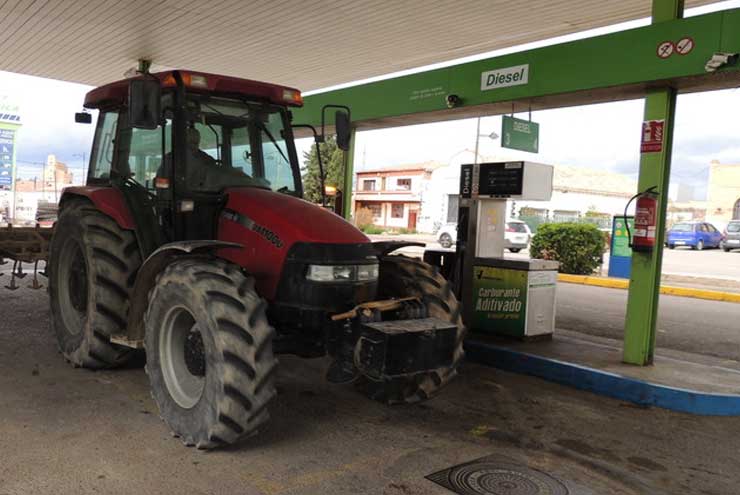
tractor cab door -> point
(128, 159)
(141, 155)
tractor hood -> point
(287, 219)
(270, 225)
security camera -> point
(452, 101)
(720, 59)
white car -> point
(516, 238)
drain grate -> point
(494, 475)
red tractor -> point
(192, 241)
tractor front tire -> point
(92, 268)
(209, 352)
(401, 276)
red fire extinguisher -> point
(646, 220)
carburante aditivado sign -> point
(503, 78)
(499, 300)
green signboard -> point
(621, 239)
(620, 252)
(518, 134)
(500, 300)
(600, 68)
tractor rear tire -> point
(92, 268)
(401, 276)
(209, 352)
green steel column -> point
(655, 170)
(349, 162)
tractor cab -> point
(173, 142)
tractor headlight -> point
(342, 273)
(367, 272)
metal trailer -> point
(29, 245)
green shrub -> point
(363, 217)
(372, 229)
(578, 247)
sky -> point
(604, 136)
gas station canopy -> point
(309, 44)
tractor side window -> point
(141, 150)
(211, 140)
(102, 153)
(241, 150)
(277, 167)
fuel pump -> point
(502, 296)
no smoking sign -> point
(666, 49)
(684, 46)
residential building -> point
(393, 193)
(685, 211)
(54, 177)
(30, 192)
(56, 173)
(723, 193)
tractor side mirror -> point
(83, 118)
(342, 127)
(143, 103)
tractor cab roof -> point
(116, 93)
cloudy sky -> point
(598, 136)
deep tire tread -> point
(402, 276)
(229, 327)
(243, 353)
(235, 394)
(113, 259)
(227, 300)
(240, 364)
(110, 258)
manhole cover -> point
(496, 476)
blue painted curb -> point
(604, 383)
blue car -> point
(696, 235)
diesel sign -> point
(502, 78)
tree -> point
(333, 160)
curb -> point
(604, 383)
(618, 283)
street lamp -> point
(478, 135)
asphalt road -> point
(72, 431)
(684, 324)
(709, 263)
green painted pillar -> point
(349, 170)
(655, 170)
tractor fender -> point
(106, 199)
(386, 247)
(147, 277)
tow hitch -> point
(388, 339)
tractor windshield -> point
(236, 143)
